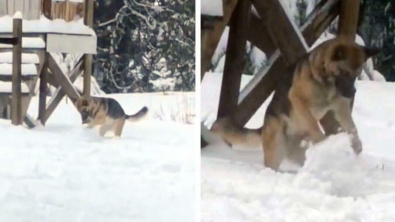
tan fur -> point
(322, 82)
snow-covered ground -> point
(333, 185)
(66, 172)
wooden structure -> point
(32, 9)
(26, 70)
(279, 38)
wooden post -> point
(67, 11)
(210, 38)
(235, 61)
(347, 28)
(47, 7)
(348, 18)
(16, 103)
(88, 20)
(43, 89)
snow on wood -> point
(29, 43)
(71, 44)
(18, 15)
(44, 25)
(6, 57)
(212, 7)
(27, 69)
(6, 87)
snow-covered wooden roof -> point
(44, 25)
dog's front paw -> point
(356, 144)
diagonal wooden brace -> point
(65, 86)
(264, 83)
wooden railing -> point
(32, 9)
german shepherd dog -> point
(322, 81)
(107, 113)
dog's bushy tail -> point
(235, 135)
(139, 115)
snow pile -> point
(28, 42)
(44, 25)
(18, 15)
(6, 87)
(6, 57)
(66, 172)
(333, 185)
(27, 69)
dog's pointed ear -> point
(370, 52)
(339, 53)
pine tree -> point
(134, 35)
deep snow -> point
(66, 172)
(333, 185)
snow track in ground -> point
(65, 172)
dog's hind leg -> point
(118, 126)
(274, 144)
(105, 128)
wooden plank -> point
(43, 89)
(46, 8)
(16, 103)
(210, 38)
(60, 93)
(87, 74)
(28, 120)
(88, 16)
(67, 10)
(284, 33)
(62, 79)
(8, 78)
(235, 61)
(348, 18)
(71, 44)
(10, 7)
(26, 12)
(35, 9)
(265, 82)
(19, 6)
(347, 28)
(317, 21)
(251, 103)
(3, 11)
(52, 81)
(9, 41)
(88, 20)
(258, 35)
